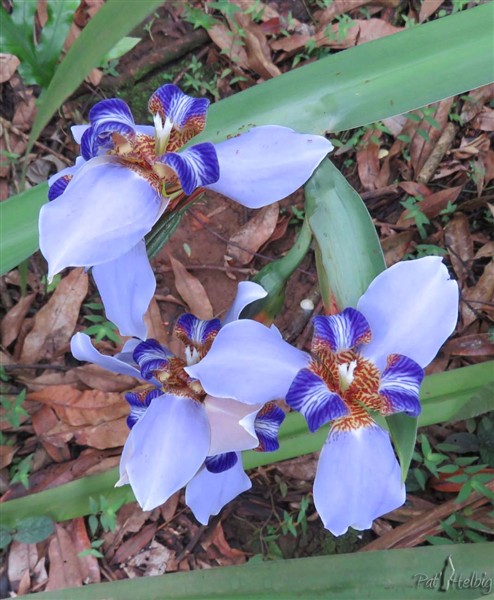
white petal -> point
(82, 348)
(77, 131)
(412, 308)
(207, 493)
(232, 425)
(267, 164)
(250, 363)
(126, 286)
(358, 479)
(105, 210)
(247, 292)
(165, 449)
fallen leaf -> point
(396, 246)
(251, 236)
(432, 205)
(135, 544)
(157, 560)
(258, 52)
(191, 290)
(218, 548)
(45, 424)
(12, 321)
(478, 344)
(429, 8)
(97, 378)
(22, 558)
(484, 120)
(154, 323)
(6, 455)
(459, 243)
(105, 435)
(368, 164)
(225, 40)
(479, 298)
(65, 569)
(77, 408)
(486, 250)
(55, 322)
(475, 101)
(8, 66)
(88, 565)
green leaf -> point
(34, 529)
(16, 36)
(348, 252)
(110, 24)
(19, 226)
(374, 575)
(5, 537)
(403, 430)
(120, 48)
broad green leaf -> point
(53, 35)
(5, 537)
(121, 47)
(403, 430)
(348, 252)
(442, 396)
(34, 529)
(110, 24)
(16, 36)
(379, 575)
(19, 226)
(392, 75)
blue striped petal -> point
(267, 425)
(170, 102)
(196, 166)
(310, 396)
(139, 402)
(400, 384)
(221, 462)
(340, 332)
(58, 187)
(151, 356)
(196, 332)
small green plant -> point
(93, 551)
(21, 469)
(425, 250)
(28, 531)
(102, 328)
(103, 514)
(412, 204)
(14, 410)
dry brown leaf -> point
(396, 246)
(154, 323)
(8, 66)
(6, 455)
(258, 52)
(477, 344)
(12, 321)
(223, 38)
(475, 101)
(191, 290)
(484, 120)
(479, 298)
(486, 250)
(251, 236)
(25, 111)
(157, 560)
(65, 568)
(97, 378)
(432, 205)
(77, 408)
(111, 434)
(22, 558)
(368, 164)
(135, 544)
(429, 8)
(55, 322)
(88, 565)
(459, 243)
(218, 548)
(45, 424)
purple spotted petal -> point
(343, 331)
(221, 462)
(151, 356)
(82, 348)
(412, 308)
(267, 425)
(247, 292)
(139, 402)
(400, 384)
(310, 396)
(165, 449)
(104, 212)
(250, 363)
(267, 164)
(358, 479)
(208, 492)
(126, 286)
(196, 166)
(194, 331)
(172, 103)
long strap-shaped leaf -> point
(415, 573)
(444, 395)
(360, 85)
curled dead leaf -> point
(251, 236)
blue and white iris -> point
(180, 435)
(128, 175)
(365, 359)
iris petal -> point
(170, 102)
(340, 332)
(151, 356)
(267, 425)
(247, 292)
(232, 425)
(221, 462)
(250, 363)
(196, 332)
(126, 285)
(207, 493)
(139, 403)
(358, 479)
(104, 212)
(400, 384)
(267, 164)
(196, 166)
(172, 429)
(310, 396)
(412, 308)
